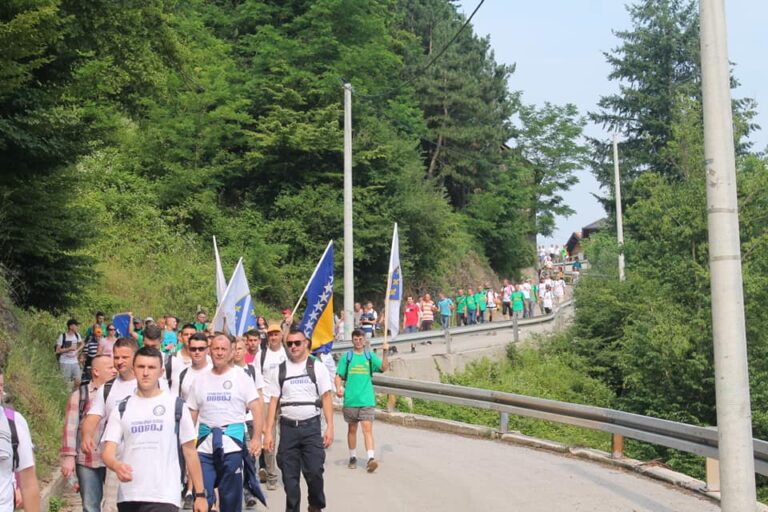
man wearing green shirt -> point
(202, 321)
(471, 307)
(518, 301)
(481, 299)
(356, 368)
(461, 308)
(100, 322)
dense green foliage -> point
(130, 135)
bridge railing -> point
(693, 439)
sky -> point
(557, 47)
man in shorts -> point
(356, 369)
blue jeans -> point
(444, 321)
(481, 316)
(471, 314)
(412, 328)
(91, 486)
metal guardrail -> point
(698, 440)
(447, 334)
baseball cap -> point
(136, 320)
(273, 328)
(149, 319)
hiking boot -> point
(352, 463)
(250, 500)
(271, 486)
(262, 475)
(372, 465)
(188, 501)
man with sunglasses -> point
(175, 363)
(301, 399)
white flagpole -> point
(314, 272)
(218, 307)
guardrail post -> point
(515, 327)
(617, 446)
(448, 347)
(504, 423)
(713, 475)
(391, 400)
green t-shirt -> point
(482, 299)
(517, 301)
(471, 304)
(358, 390)
(461, 304)
(89, 330)
(200, 326)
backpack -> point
(10, 415)
(281, 378)
(263, 358)
(251, 371)
(169, 370)
(181, 378)
(349, 360)
(178, 412)
(65, 343)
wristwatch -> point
(203, 494)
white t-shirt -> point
(299, 389)
(271, 361)
(546, 299)
(68, 357)
(26, 456)
(120, 389)
(189, 378)
(221, 400)
(257, 379)
(559, 288)
(147, 431)
(526, 289)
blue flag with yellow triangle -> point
(317, 322)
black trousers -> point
(143, 506)
(301, 451)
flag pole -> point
(293, 312)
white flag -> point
(394, 287)
(236, 305)
(221, 282)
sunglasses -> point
(197, 349)
(110, 329)
(290, 344)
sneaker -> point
(250, 500)
(262, 475)
(271, 486)
(372, 465)
(352, 463)
(188, 501)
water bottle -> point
(73, 482)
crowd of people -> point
(470, 306)
(164, 417)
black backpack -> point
(10, 415)
(178, 412)
(281, 378)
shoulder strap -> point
(178, 412)
(82, 400)
(181, 378)
(281, 378)
(370, 361)
(122, 404)
(108, 388)
(10, 415)
(251, 371)
(169, 369)
(263, 358)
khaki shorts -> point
(358, 414)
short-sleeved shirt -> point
(427, 313)
(445, 306)
(170, 338)
(221, 400)
(517, 301)
(461, 304)
(26, 455)
(358, 390)
(147, 433)
(369, 315)
(481, 300)
(120, 389)
(73, 339)
(471, 304)
(412, 314)
(272, 360)
(298, 387)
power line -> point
(429, 64)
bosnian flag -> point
(394, 287)
(236, 305)
(317, 322)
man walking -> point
(270, 359)
(68, 347)
(356, 368)
(219, 399)
(89, 468)
(301, 387)
(411, 316)
(152, 425)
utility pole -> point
(619, 214)
(734, 418)
(349, 269)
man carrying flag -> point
(317, 323)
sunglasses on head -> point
(197, 349)
(290, 344)
(110, 329)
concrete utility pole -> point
(349, 269)
(734, 418)
(619, 213)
